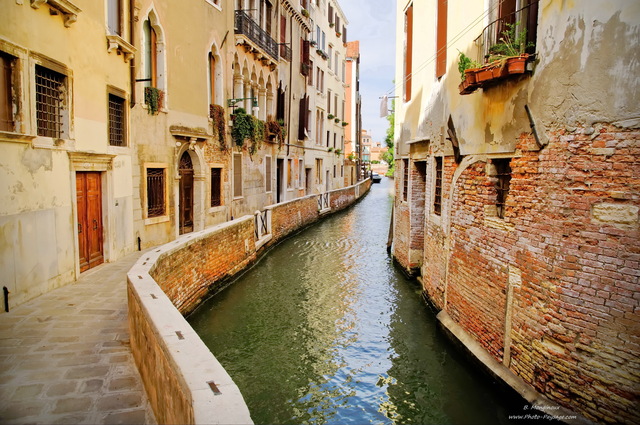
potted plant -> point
(344, 123)
(509, 55)
(468, 69)
(338, 34)
(331, 24)
(312, 43)
(153, 98)
(330, 116)
(305, 13)
(330, 150)
(336, 119)
(338, 152)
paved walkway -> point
(65, 356)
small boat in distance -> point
(375, 177)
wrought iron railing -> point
(246, 26)
(262, 224)
(524, 19)
(323, 201)
(285, 52)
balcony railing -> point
(246, 26)
(323, 202)
(285, 52)
(525, 19)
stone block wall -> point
(552, 289)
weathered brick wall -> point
(290, 216)
(186, 274)
(552, 289)
(401, 222)
(342, 198)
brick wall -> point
(552, 290)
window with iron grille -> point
(405, 179)
(437, 198)
(155, 192)
(50, 99)
(116, 121)
(216, 187)
(503, 181)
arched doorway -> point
(185, 171)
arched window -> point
(212, 79)
(151, 55)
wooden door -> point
(89, 206)
(186, 193)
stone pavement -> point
(65, 355)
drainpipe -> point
(132, 64)
(6, 298)
(290, 79)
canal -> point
(326, 330)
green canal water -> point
(326, 330)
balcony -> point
(285, 52)
(258, 38)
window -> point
(329, 101)
(289, 173)
(117, 129)
(155, 192)
(212, 79)
(342, 171)
(311, 71)
(318, 171)
(330, 56)
(441, 39)
(337, 62)
(267, 174)
(335, 173)
(328, 138)
(216, 187)
(330, 14)
(437, 198)
(51, 94)
(300, 173)
(344, 71)
(503, 181)
(408, 51)
(114, 17)
(151, 55)
(405, 179)
(237, 175)
(7, 63)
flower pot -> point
(517, 64)
(484, 74)
(470, 75)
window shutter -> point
(344, 34)
(330, 14)
(237, 175)
(441, 44)
(302, 117)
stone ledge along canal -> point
(324, 329)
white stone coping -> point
(193, 363)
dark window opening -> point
(216, 187)
(6, 88)
(405, 179)
(503, 180)
(155, 192)
(437, 198)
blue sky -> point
(373, 23)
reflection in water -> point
(325, 330)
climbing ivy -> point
(153, 98)
(216, 112)
(242, 127)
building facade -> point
(121, 130)
(66, 191)
(352, 144)
(517, 192)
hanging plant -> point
(338, 152)
(336, 119)
(257, 135)
(153, 98)
(276, 131)
(330, 150)
(216, 113)
(242, 127)
(305, 13)
(344, 123)
(330, 116)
